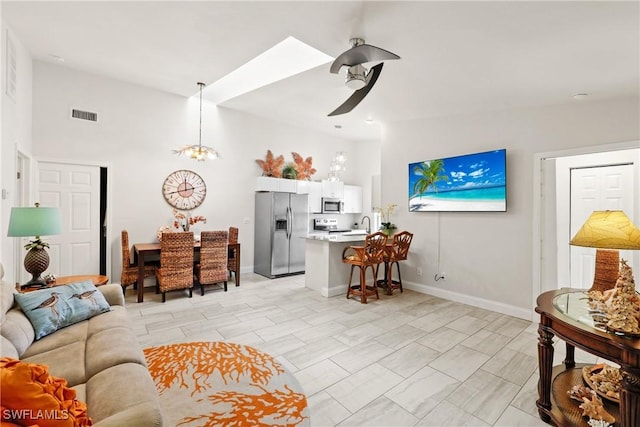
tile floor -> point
(406, 360)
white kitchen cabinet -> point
(281, 185)
(267, 183)
(314, 190)
(333, 189)
(352, 199)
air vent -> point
(84, 115)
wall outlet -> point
(419, 272)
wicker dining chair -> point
(395, 253)
(129, 275)
(233, 257)
(212, 267)
(368, 256)
(176, 263)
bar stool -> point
(396, 252)
(368, 256)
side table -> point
(564, 313)
(98, 280)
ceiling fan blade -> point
(359, 94)
(359, 55)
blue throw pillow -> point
(53, 308)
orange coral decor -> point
(225, 384)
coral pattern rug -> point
(225, 384)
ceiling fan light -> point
(356, 77)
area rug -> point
(225, 384)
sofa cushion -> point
(54, 308)
(17, 329)
(66, 361)
(113, 294)
(124, 404)
(6, 295)
(112, 347)
(69, 335)
(8, 349)
(32, 396)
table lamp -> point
(35, 221)
(607, 231)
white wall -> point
(15, 132)
(487, 255)
(137, 129)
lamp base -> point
(35, 262)
(607, 269)
(35, 282)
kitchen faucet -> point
(368, 229)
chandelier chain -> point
(198, 152)
(200, 134)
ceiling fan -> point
(359, 78)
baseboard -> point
(496, 306)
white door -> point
(597, 189)
(75, 189)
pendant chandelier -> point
(198, 152)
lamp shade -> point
(608, 230)
(34, 221)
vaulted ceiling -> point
(456, 57)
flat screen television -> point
(471, 182)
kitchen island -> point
(324, 270)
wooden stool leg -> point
(399, 277)
(349, 285)
(363, 286)
(375, 285)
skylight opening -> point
(286, 59)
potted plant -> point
(386, 226)
(289, 172)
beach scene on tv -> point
(472, 182)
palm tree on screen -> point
(430, 173)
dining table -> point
(144, 251)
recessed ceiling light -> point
(580, 95)
(369, 121)
(56, 58)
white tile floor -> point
(406, 360)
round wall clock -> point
(184, 189)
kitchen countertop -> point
(338, 237)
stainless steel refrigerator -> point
(281, 225)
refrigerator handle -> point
(291, 222)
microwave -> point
(334, 206)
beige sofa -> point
(100, 358)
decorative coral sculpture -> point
(271, 166)
(303, 166)
(593, 409)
